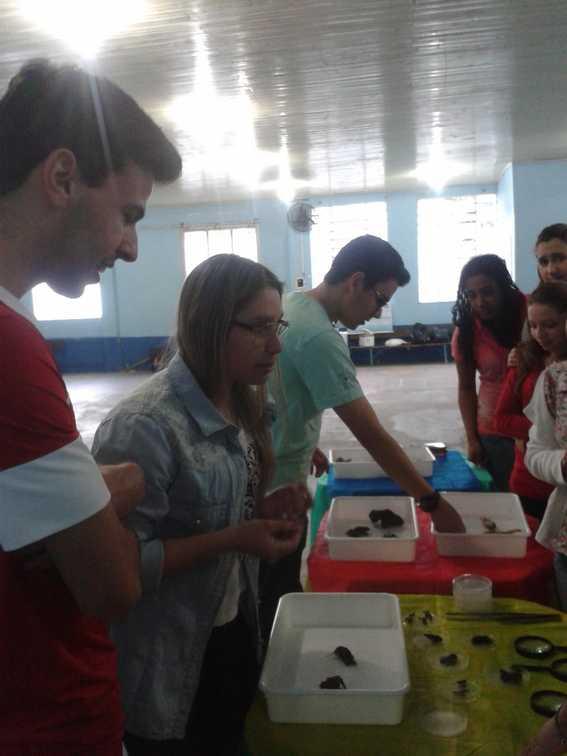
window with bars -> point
(450, 231)
(338, 224)
(203, 242)
(47, 305)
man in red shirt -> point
(78, 161)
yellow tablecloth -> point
(500, 720)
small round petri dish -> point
(444, 720)
(461, 691)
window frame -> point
(187, 228)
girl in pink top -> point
(488, 315)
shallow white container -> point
(361, 465)
(502, 508)
(350, 511)
(307, 629)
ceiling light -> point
(83, 27)
(437, 172)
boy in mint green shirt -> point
(316, 373)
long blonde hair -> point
(211, 298)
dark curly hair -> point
(507, 326)
(530, 354)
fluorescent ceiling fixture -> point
(83, 27)
(437, 172)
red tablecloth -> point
(528, 578)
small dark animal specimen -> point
(435, 639)
(409, 618)
(482, 640)
(511, 676)
(345, 655)
(461, 688)
(333, 683)
(385, 518)
(358, 532)
(449, 660)
(426, 617)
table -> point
(450, 473)
(500, 720)
(527, 578)
(428, 352)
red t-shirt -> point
(490, 360)
(59, 692)
(511, 421)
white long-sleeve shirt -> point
(543, 459)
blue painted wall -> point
(139, 301)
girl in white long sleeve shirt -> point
(546, 459)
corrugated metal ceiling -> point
(328, 96)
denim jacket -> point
(196, 480)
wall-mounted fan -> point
(300, 215)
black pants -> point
(277, 579)
(499, 459)
(533, 507)
(227, 686)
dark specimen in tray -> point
(333, 683)
(385, 518)
(358, 532)
(345, 655)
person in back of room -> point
(200, 430)
(78, 159)
(546, 344)
(316, 373)
(551, 253)
(489, 314)
(551, 259)
(546, 459)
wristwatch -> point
(430, 502)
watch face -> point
(430, 502)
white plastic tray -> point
(357, 463)
(502, 508)
(349, 511)
(307, 629)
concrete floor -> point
(414, 402)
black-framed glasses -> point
(264, 330)
(381, 299)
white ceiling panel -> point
(323, 96)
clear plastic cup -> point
(472, 593)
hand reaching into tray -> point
(446, 518)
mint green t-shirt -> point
(315, 372)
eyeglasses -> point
(265, 331)
(381, 300)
